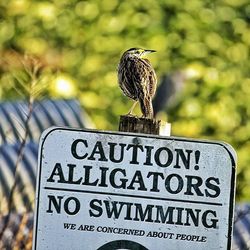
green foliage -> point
(80, 42)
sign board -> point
(105, 190)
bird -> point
(137, 79)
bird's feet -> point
(130, 113)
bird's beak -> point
(148, 51)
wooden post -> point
(135, 124)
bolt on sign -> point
(102, 190)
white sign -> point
(104, 190)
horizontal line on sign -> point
(133, 196)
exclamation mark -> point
(197, 158)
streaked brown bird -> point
(137, 79)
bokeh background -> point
(77, 45)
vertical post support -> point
(135, 124)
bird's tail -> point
(147, 107)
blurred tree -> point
(81, 42)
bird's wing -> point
(126, 81)
(141, 72)
(139, 75)
(143, 77)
